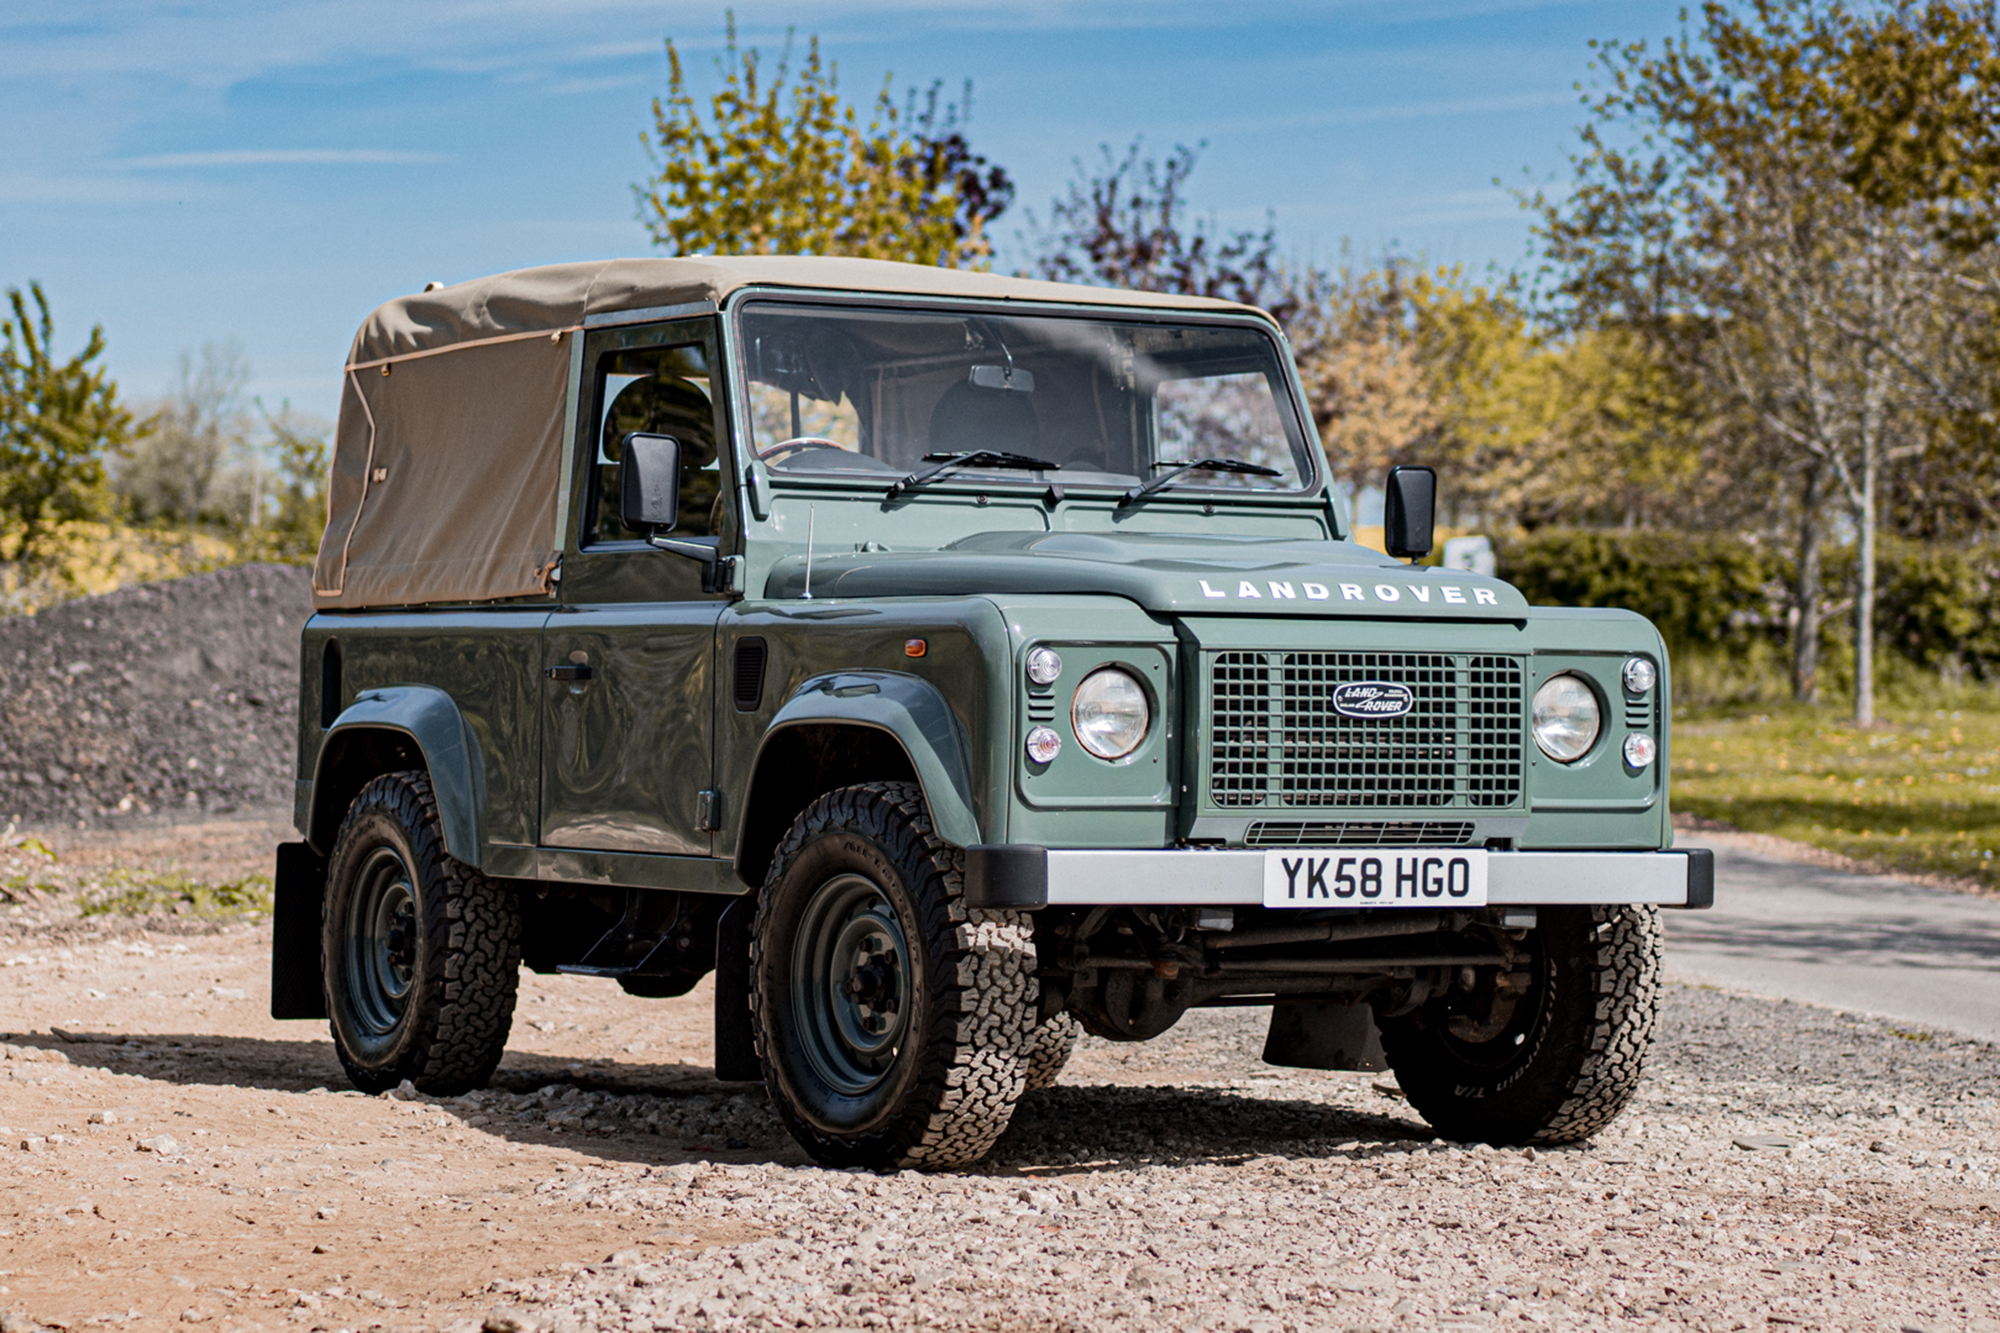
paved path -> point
(1858, 942)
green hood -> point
(1172, 574)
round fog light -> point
(1044, 744)
(1640, 675)
(1044, 665)
(1640, 750)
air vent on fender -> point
(750, 655)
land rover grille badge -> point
(1372, 700)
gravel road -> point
(1784, 1167)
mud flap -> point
(735, 1041)
(1324, 1034)
(298, 987)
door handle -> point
(568, 671)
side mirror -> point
(649, 483)
(1409, 504)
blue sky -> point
(271, 171)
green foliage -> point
(208, 463)
(296, 509)
(58, 421)
(134, 893)
(1701, 590)
(1924, 124)
(1938, 607)
(790, 168)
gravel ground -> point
(166, 700)
(1786, 1167)
(177, 1157)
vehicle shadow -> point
(663, 1114)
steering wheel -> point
(798, 444)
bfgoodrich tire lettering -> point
(422, 953)
(891, 1020)
(1575, 1053)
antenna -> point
(812, 513)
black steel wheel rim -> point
(1516, 1039)
(381, 942)
(851, 984)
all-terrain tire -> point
(1049, 1048)
(403, 916)
(914, 1055)
(1575, 1052)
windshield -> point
(871, 392)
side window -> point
(666, 390)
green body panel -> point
(899, 630)
(430, 717)
(947, 709)
(1079, 800)
(486, 659)
(912, 711)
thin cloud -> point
(1370, 115)
(281, 157)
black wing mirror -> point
(1409, 505)
(649, 502)
(649, 483)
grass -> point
(125, 893)
(1918, 793)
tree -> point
(790, 168)
(297, 503)
(58, 422)
(1715, 203)
(1125, 225)
(191, 464)
(1362, 371)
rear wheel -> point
(1553, 1053)
(892, 1021)
(422, 953)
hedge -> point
(1936, 606)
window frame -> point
(594, 346)
(1311, 492)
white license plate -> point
(1383, 877)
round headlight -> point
(1044, 745)
(1109, 713)
(1566, 718)
(1640, 675)
(1044, 665)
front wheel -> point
(892, 1021)
(422, 953)
(1550, 1053)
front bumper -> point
(1017, 876)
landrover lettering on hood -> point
(1372, 699)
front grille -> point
(1401, 833)
(1276, 741)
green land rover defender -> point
(950, 664)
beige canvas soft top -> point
(447, 454)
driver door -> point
(628, 658)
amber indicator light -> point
(915, 647)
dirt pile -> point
(167, 699)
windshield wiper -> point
(993, 458)
(1160, 483)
